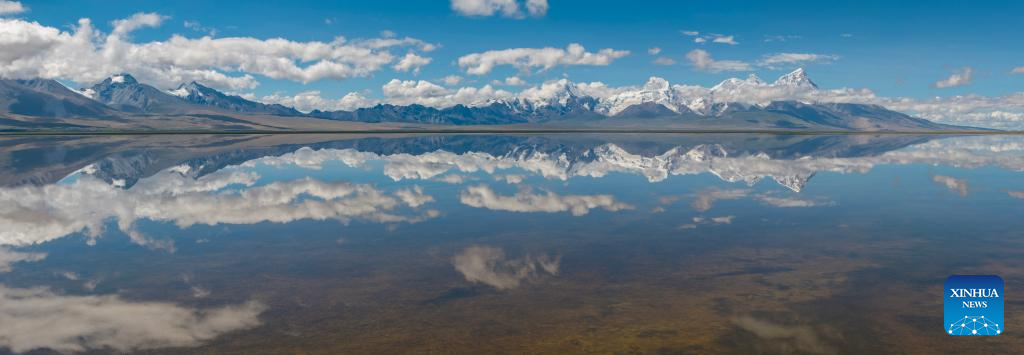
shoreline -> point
(497, 131)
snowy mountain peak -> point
(797, 78)
(655, 91)
(552, 93)
(190, 89)
(656, 84)
(123, 78)
(202, 95)
(125, 93)
(734, 83)
(754, 79)
(569, 89)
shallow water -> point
(504, 243)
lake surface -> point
(504, 243)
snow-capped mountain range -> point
(678, 98)
(787, 103)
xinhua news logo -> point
(974, 305)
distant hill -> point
(198, 94)
(48, 99)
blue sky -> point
(894, 48)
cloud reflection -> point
(8, 257)
(32, 214)
(706, 199)
(482, 196)
(37, 318)
(489, 265)
(951, 183)
(785, 338)
(791, 202)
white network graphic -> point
(974, 326)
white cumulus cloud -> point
(11, 7)
(773, 60)
(711, 38)
(730, 40)
(86, 55)
(140, 20)
(422, 92)
(452, 80)
(702, 60)
(514, 81)
(959, 78)
(506, 8)
(412, 62)
(665, 61)
(307, 101)
(525, 59)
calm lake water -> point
(504, 243)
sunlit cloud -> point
(505, 8)
(86, 55)
(526, 59)
(11, 7)
(959, 78)
(411, 62)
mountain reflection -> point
(789, 160)
(219, 181)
